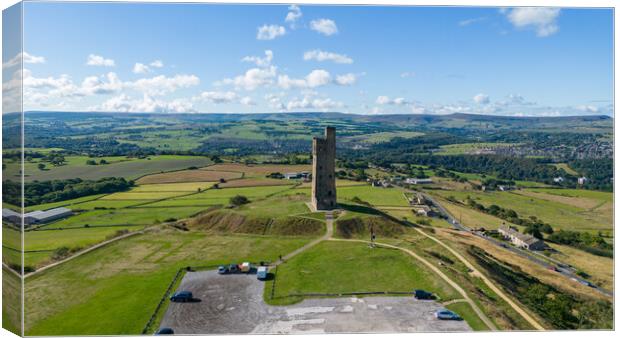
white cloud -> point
(326, 27)
(270, 32)
(23, 57)
(156, 64)
(320, 56)
(308, 102)
(247, 101)
(252, 78)
(97, 60)
(481, 99)
(407, 74)
(541, 19)
(346, 79)
(260, 61)
(219, 97)
(588, 108)
(140, 68)
(161, 85)
(124, 103)
(399, 101)
(316, 78)
(110, 83)
(294, 13)
(468, 22)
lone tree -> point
(41, 166)
(239, 200)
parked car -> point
(552, 268)
(223, 269)
(444, 314)
(262, 272)
(245, 267)
(233, 268)
(181, 296)
(421, 294)
(164, 330)
(586, 283)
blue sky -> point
(367, 60)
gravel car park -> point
(234, 304)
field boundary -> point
(85, 251)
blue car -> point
(164, 330)
(181, 296)
(222, 269)
(446, 315)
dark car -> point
(181, 296)
(223, 269)
(164, 330)
(446, 315)
(233, 268)
(421, 294)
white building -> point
(418, 181)
(521, 240)
(9, 215)
(39, 216)
(558, 179)
(582, 180)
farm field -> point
(381, 137)
(373, 195)
(121, 284)
(129, 168)
(335, 267)
(471, 148)
(559, 214)
(183, 176)
(259, 170)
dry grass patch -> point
(189, 176)
(464, 239)
(600, 268)
(255, 182)
(579, 202)
(259, 169)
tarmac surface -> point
(233, 304)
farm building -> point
(40, 216)
(418, 181)
(521, 240)
(416, 199)
(424, 210)
(293, 176)
(582, 180)
(9, 215)
(558, 179)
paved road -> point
(567, 272)
(233, 304)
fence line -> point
(163, 299)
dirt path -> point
(488, 282)
(329, 224)
(80, 253)
(454, 301)
(443, 276)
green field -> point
(119, 166)
(382, 137)
(373, 195)
(470, 148)
(120, 284)
(336, 267)
(557, 213)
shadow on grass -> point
(362, 209)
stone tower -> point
(324, 171)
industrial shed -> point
(39, 216)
